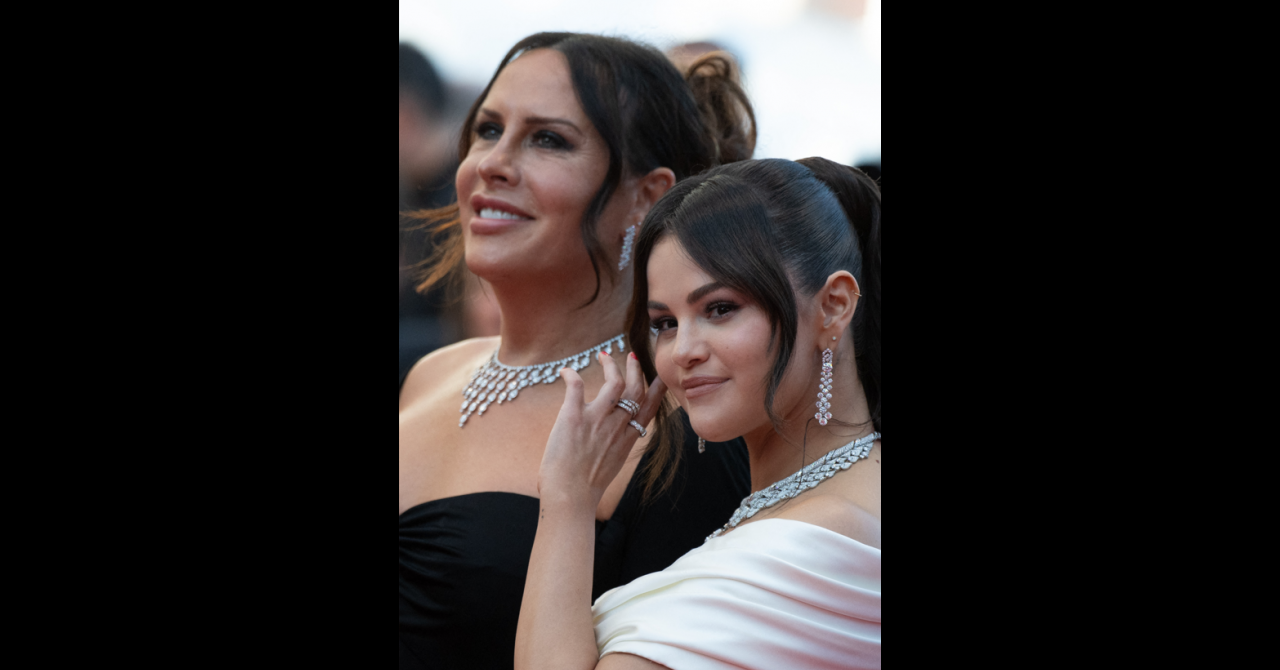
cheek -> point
(748, 348)
(464, 182)
(798, 391)
(745, 350)
(667, 370)
(565, 196)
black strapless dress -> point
(463, 560)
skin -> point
(540, 276)
(712, 332)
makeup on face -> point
(710, 344)
(534, 165)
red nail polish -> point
(633, 356)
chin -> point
(487, 261)
(711, 426)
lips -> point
(701, 385)
(493, 216)
(499, 210)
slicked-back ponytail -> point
(772, 229)
(859, 196)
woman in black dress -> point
(565, 151)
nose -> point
(499, 165)
(690, 347)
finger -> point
(572, 390)
(635, 380)
(612, 388)
(652, 402)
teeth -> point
(488, 213)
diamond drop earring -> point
(824, 389)
(702, 445)
(627, 241)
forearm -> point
(556, 630)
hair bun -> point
(723, 105)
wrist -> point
(567, 501)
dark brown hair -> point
(648, 115)
(773, 230)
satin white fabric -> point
(771, 594)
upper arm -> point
(621, 661)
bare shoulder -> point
(848, 503)
(455, 359)
(621, 661)
(835, 513)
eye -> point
(721, 308)
(488, 131)
(549, 140)
(662, 324)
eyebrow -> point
(694, 296)
(535, 120)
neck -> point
(801, 440)
(546, 320)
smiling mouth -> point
(703, 389)
(491, 213)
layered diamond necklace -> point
(808, 477)
(497, 382)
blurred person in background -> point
(429, 320)
(570, 144)
(427, 161)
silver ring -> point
(630, 405)
(638, 427)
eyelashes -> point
(549, 140)
(661, 324)
(715, 311)
(543, 139)
(721, 308)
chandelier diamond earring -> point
(627, 242)
(824, 389)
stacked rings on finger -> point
(630, 405)
(638, 427)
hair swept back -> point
(772, 230)
(649, 115)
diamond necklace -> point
(808, 477)
(495, 381)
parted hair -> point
(647, 112)
(773, 230)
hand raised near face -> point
(590, 441)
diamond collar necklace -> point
(496, 381)
(808, 477)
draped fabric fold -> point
(771, 594)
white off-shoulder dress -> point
(770, 594)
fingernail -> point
(633, 356)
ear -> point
(648, 190)
(837, 301)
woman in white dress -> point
(759, 283)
